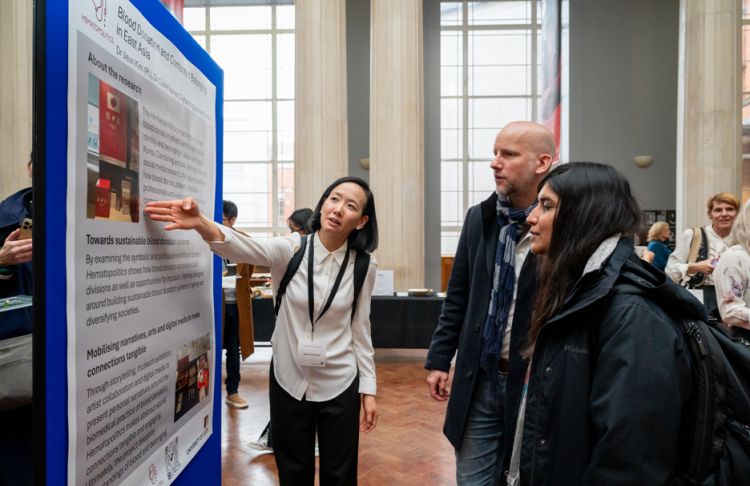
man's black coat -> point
(462, 319)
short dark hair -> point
(229, 210)
(301, 218)
(365, 239)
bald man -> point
(486, 314)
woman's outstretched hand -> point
(183, 214)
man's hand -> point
(705, 267)
(369, 415)
(15, 251)
(437, 382)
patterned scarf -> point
(510, 221)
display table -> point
(397, 322)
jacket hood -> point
(661, 289)
(624, 272)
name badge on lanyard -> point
(310, 353)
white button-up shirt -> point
(522, 250)
(677, 264)
(732, 280)
(348, 342)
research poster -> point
(141, 346)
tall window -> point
(745, 83)
(489, 77)
(254, 45)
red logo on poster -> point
(100, 9)
(113, 122)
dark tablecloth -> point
(397, 322)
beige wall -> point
(320, 126)
(15, 93)
(397, 138)
(709, 155)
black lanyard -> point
(311, 287)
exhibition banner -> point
(551, 67)
(141, 347)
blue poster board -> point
(51, 119)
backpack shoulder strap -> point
(291, 269)
(361, 264)
(703, 253)
(695, 244)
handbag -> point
(698, 252)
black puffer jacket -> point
(609, 380)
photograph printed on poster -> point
(112, 153)
(193, 374)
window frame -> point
(275, 195)
(533, 27)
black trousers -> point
(294, 424)
(232, 345)
(17, 446)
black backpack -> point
(718, 419)
(715, 446)
(361, 262)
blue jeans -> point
(479, 460)
(232, 345)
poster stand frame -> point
(50, 132)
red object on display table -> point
(102, 198)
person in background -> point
(16, 438)
(486, 313)
(658, 236)
(298, 222)
(732, 274)
(238, 317)
(322, 376)
(602, 333)
(696, 272)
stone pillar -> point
(16, 59)
(708, 106)
(397, 138)
(320, 143)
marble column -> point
(320, 144)
(397, 138)
(708, 106)
(16, 59)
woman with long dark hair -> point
(609, 372)
(323, 369)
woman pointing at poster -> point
(322, 367)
